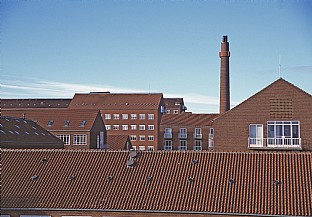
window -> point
(66, 123)
(133, 137)
(115, 127)
(150, 148)
(183, 133)
(168, 111)
(168, 133)
(168, 145)
(34, 215)
(150, 127)
(134, 147)
(116, 116)
(107, 116)
(150, 116)
(141, 138)
(141, 127)
(83, 123)
(65, 138)
(142, 148)
(124, 116)
(183, 145)
(198, 145)
(256, 135)
(141, 116)
(133, 116)
(80, 139)
(124, 127)
(150, 138)
(133, 127)
(198, 133)
(50, 123)
(175, 111)
(283, 133)
(108, 127)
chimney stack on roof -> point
(224, 54)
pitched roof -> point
(23, 133)
(58, 118)
(107, 101)
(206, 182)
(187, 119)
(118, 142)
(35, 103)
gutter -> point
(143, 211)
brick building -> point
(186, 131)
(76, 128)
(174, 105)
(279, 117)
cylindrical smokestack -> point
(224, 54)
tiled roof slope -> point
(22, 133)
(243, 183)
(58, 116)
(35, 103)
(116, 101)
(118, 142)
(187, 119)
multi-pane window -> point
(133, 127)
(133, 137)
(150, 148)
(256, 135)
(116, 116)
(134, 147)
(198, 133)
(150, 138)
(175, 111)
(150, 127)
(198, 145)
(107, 116)
(183, 133)
(168, 133)
(142, 127)
(124, 127)
(168, 145)
(124, 116)
(80, 139)
(141, 116)
(108, 127)
(150, 116)
(284, 133)
(142, 148)
(115, 127)
(50, 123)
(133, 116)
(141, 138)
(65, 138)
(183, 145)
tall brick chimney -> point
(224, 54)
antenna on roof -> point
(279, 66)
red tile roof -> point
(205, 182)
(187, 119)
(118, 142)
(58, 117)
(108, 101)
(35, 103)
(23, 133)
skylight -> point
(50, 123)
(83, 123)
(66, 123)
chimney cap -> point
(224, 38)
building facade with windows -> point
(186, 131)
(77, 129)
(136, 115)
(174, 105)
(279, 117)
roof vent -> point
(190, 179)
(133, 154)
(231, 181)
(277, 182)
(149, 178)
(194, 161)
(44, 160)
(72, 177)
(34, 177)
(109, 178)
(130, 163)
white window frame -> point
(141, 116)
(198, 133)
(168, 145)
(176, 111)
(124, 116)
(141, 137)
(198, 145)
(133, 127)
(65, 138)
(108, 127)
(150, 127)
(257, 139)
(150, 138)
(124, 127)
(280, 137)
(141, 127)
(150, 116)
(142, 148)
(183, 145)
(107, 116)
(79, 139)
(133, 138)
(150, 148)
(183, 133)
(116, 116)
(115, 127)
(133, 116)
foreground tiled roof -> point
(58, 117)
(187, 119)
(23, 133)
(109, 101)
(35, 103)
(206, 182)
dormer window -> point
(50, 123)
(66, 123)
(83, 123)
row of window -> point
(78, 139)
(126, 116)
(183, 145)
(132, 127)
(66, 123)
(141, 138)
(143, 148)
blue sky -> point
(53, 49)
